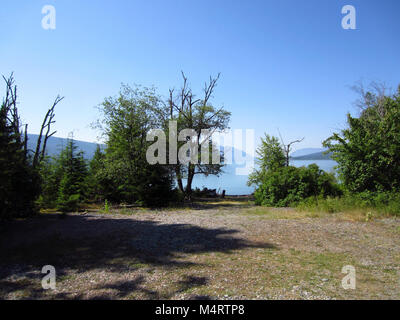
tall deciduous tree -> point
(368, 151)
(197, 114)
(127, 176)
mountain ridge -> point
(323, 155)
(56, 144)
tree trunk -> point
(180, 185)
(190, 180)
(179, 178)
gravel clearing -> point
(223, 250)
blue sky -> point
(284, 64)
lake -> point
(236, 185)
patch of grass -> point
(137, 265)
(48, 211)
(65, 277)
(280, 213)
(361, 207)
(229, 202)
(126, 211)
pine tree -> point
(19, 182)
(94, 179)
(72, 189)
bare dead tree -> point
(10, 110)
(287, 148)
(45, 128)
(196, 114)
(371, 96)
(9, 106)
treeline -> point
(121, 173)
(368, 157)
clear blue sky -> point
(284, 64)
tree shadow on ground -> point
(116, 244)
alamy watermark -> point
(349, 281)
(349, 20)
(207, 147)
(49, 280)
(49, 18)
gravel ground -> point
(224, 250)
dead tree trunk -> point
(287, 148)
(46, 125)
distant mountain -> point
(306, 151)
(55, 145)
(314, 156)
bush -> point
(286, 186)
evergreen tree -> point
(20, 167)
(19, 182)
(50, 176)
(72, 189)
(94, 179)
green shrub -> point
(106, 206)
(368, 150)
(287, 186)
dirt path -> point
(227, 250)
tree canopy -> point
(368, 150)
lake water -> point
(236, 185)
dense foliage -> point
(124, 175)
(19, 185)
(368, 151)
(270, 157)
(72, 189)
(64, 180)
(281, 185)
(19, 181)
(285, 186)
